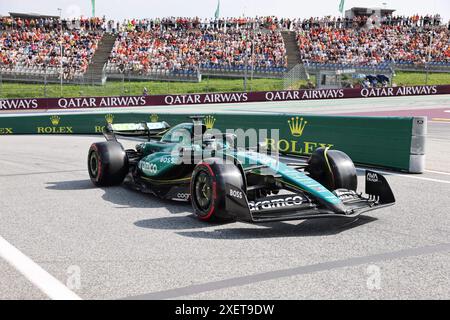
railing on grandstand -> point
(50, 75)
(114, 73)
(39, 75)
(195, 75)
(239, 71)
(426, 67)
(315, 67)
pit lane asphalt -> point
(128, 244)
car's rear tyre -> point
(107, 163)
(333, 169)
(208, 188)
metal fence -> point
(122, 85)
(48, 84)
(296, 77)
(436, 67)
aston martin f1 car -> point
(224, 182)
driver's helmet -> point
(212, 144)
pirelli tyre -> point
(208, 188)
(333, 169)
(107, 163)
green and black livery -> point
(223, 182)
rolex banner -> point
(384, 142)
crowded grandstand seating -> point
(29, 47)
(187, 48)
(368, 43)
(32, 47)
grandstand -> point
(184, 49)
(30, 47)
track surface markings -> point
(438, 172)
(388, 173)
(302, 270)
(440, 119)
(35, 274)
(408, 176)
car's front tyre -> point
(333, 169)
(208, 188)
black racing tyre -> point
(333, 169)
(208, 188)
(107, 163)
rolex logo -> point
(55, 120)
(209, 122)
(154, 118)
(109, 118)
(55, 128)
(297, 125)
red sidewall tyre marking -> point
(214, 186)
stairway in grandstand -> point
(290, 43)
(94, 73)
(296, 69)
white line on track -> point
(439, 120)
(35, 274)
(408, 176)
(389, 173)
(438, 172)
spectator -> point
(178, 49)
(35, 44)
(398, 40)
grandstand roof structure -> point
(367, 12)
(31, 15)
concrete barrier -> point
(418, 145)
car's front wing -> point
(299, 206)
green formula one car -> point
(223, 182)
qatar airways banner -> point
(213, 98)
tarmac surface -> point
(115, 243)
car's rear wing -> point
(142, 129)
